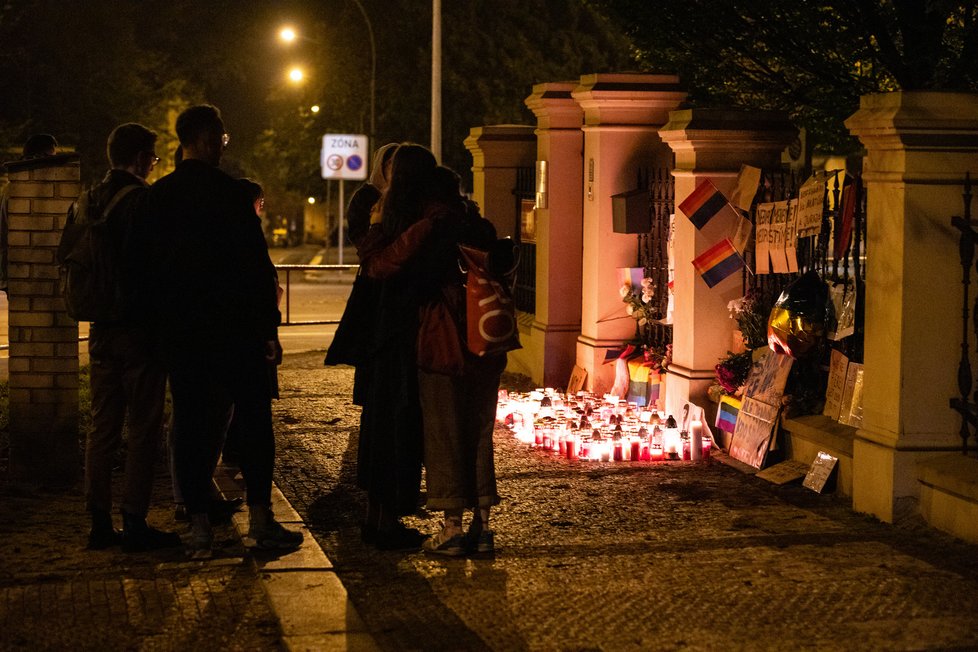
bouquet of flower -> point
(751, 312)
(732, 371)
(638, 302)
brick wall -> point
(43, 339)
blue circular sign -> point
(354, 162)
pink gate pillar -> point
(710, 143)
(498, 152)
(623, 113)
(549, 345)
(43, 339)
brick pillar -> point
(497, 152)
(919, 145)
(551, 344)
(43, 339)
(710, 143)
(622, 116)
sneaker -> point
(446, 545)
(398, 537)
(272, 536)
(484, 541)
(100, 538)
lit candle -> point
(655, 453)
(696, 441)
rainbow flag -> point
(705, 203)
(727, 413)
(718, 262)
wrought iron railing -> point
(967, 403)
(525, 288)
(653, 251)
(285, 280)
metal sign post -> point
(343, 156)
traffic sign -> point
(344, 156)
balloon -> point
(797, 321)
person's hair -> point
(383, 154)
(178, 154)
(252, 188)
(39, 145)
(198, 120)
(410, 183)
(127, 141)
(445, 185)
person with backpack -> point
(128, 382)
(215, 300)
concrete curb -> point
(303, 590)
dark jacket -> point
(212, 280)
(126, 230)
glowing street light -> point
(311, 200)
(296, 75)
(314, 108)
(287, 34)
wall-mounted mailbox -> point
(631, 212)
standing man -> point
(215, 297)
(127, 378)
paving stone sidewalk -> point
(55, 595)
(625, 556)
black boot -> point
(103, 535)
(138, 536)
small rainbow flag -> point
(718, 262)
(705, 203)
(727, 413)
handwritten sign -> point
(810, 203)
(838, 367)
(577, 378)
(747, 182)
(754, 432)
(763, 218)
(784, 472)
(818, 474)
(851, 412)
(742, 234)
(791, 237)
(776, 237)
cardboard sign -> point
(784, 472)
(768, 376)
(741, 237)
(776, 237)
(818, 474)
(754, 431)
(851, 412)
(838, 368)
(765, 213)
(791, 237)
(811, 199)
(747, 182)
(576, 382)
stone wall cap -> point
(504, 131)
(954, 473)
(555, 90)
(725, 119)
(43, 162)
(915, 110)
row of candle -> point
(616, 430)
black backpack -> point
(90, 265)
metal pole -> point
(339, 228)
(436, 79)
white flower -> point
(625, 291)
(736, 306)
(646, 283)
(630, 309)
(646, 296)
(643, 321)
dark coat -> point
(212, 281)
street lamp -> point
(296, 75)
(289, 35)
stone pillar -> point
(550, 346)
(919, 147)
(43, 339)
(622, 116)
(710, 144)
(497, 152)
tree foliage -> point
(812, 59)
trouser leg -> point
(108, 414)
(255, 435)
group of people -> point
(418, 410)
(200, 311)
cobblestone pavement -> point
(628, 556)
(55, 595)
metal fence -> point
(653, 251)
(285, 280)
(525, 290)
(967, 403)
